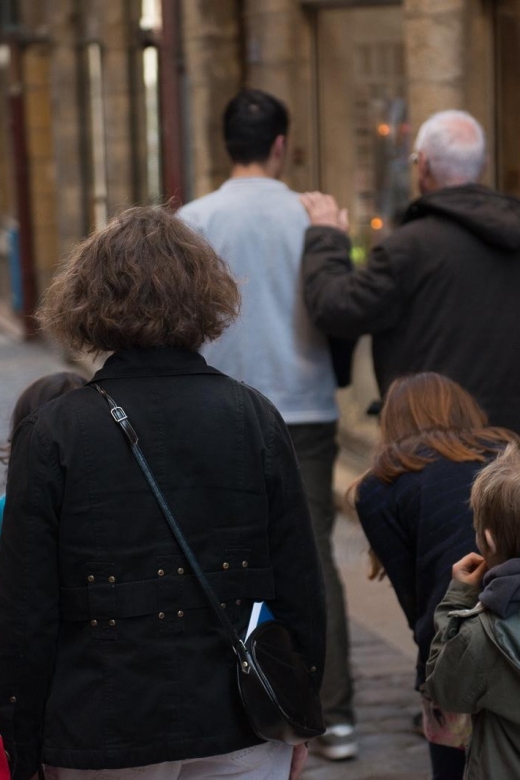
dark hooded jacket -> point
(442, 293)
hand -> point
(300, 753)
(324, 210)
(470, 570)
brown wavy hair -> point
(426, 416)
(145, 280)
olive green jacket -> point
(474, 667)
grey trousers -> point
(316, 450)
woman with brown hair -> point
(413, 503)
(112, 664)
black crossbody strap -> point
(121, 418)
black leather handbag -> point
(277, 690)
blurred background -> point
(106, 103)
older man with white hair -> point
(442, 293)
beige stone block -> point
(426, 98)
(268, 45)
(40, 142)
(205, 17)
(271, 6)
(63, 71)
(36, 66)
(42, 177)
(46, 247)
(33, 15)
(429, 7)
(435, 48)
(273, 78)
(43, 212)
(38, 113)
(117, 109)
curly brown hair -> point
(145, 280)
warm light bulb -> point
(383, 129)
(376, 223)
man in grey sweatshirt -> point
(257, 224)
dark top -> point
(109, 655)
(440, 294)
(419, 526)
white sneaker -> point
(337, 743)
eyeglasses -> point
(414, 158)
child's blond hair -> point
(495, 500)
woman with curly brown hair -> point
(413, 504)
(110, 658)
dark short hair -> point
(144, 280)
(495, 500)
(252, 121)
(40, 392)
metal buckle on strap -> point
(119, 414)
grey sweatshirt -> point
(257, 225)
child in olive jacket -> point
(474, 663)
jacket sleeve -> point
(455, 672)
(29, 596)
(342, 301)
(389, 539)
(300, 600)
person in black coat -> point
(441, 292)
(110, 657)
(413, 503)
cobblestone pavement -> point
(383, 665)
(382, 651)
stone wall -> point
(212, 55)
(278, 49)
(449, 48)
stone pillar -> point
(109, 24)
(434, 39)
(279, 60)
(40, 151)
(450, 62)
(72, 222)
(213, 76)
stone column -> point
(109, 24)
(450, 62)
(279, 60)
(213, 76)
(72, 222)
(434, 39)
(40, 152)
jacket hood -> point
(493, 217)
(501, 593)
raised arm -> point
(343, 301)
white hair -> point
(454, 144)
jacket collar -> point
(156, 361)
